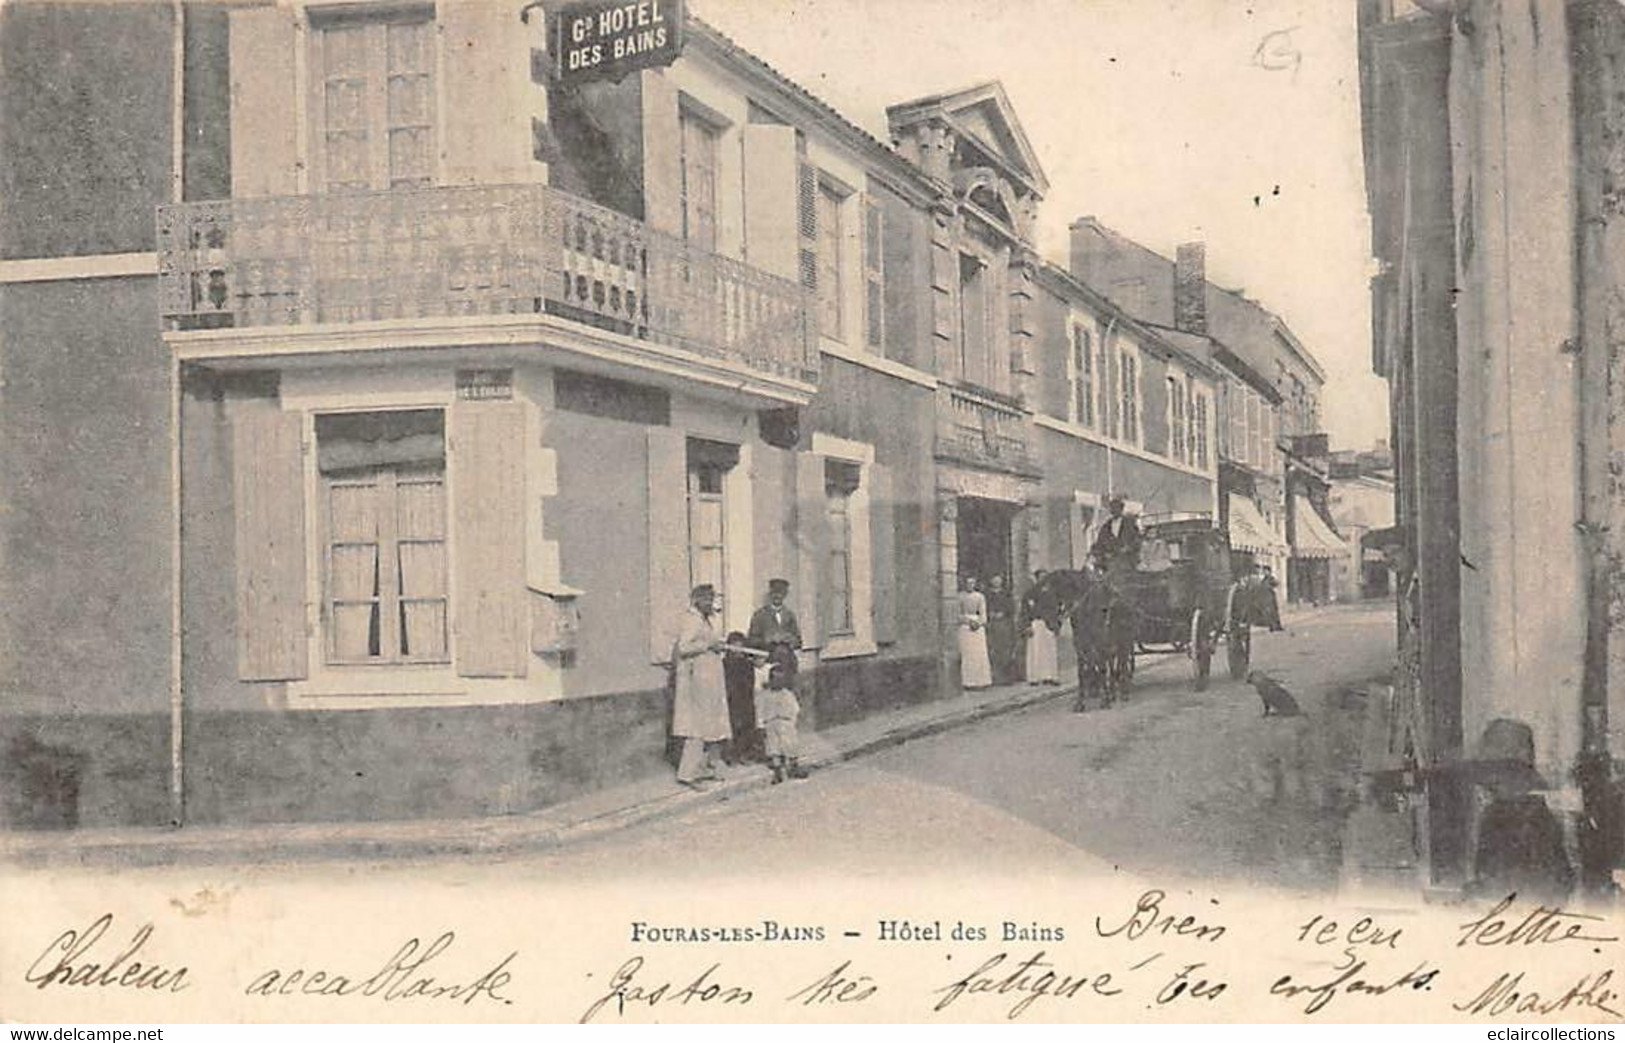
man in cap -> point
(699, 695)
(775, 622)
(1117, 546)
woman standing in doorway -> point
(975, 670)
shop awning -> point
(1248, 529)
(1315, 539)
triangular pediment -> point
(984, 115)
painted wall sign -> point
(606, 39)
(475, 385)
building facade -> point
(429, 381)
(1269, 393)
(1494, 315)
(1361, 504)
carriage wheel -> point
(1201, 651)
(1240, 647)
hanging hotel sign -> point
(606, 39)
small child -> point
(776, 712)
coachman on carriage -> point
(1175, 592)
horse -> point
(1103, 626)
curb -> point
(487, 836)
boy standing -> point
(777, 711)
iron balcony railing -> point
(983, 429)
(470, 251)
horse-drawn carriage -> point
(1180, 596)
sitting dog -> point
(1278, 702)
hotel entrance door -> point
(984, 539)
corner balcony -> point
(984, 430)
(512, 265)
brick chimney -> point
(1190, 288)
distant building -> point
(1269, 396)
(1361, 503)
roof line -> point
(725, 48)
(1100, 302)
(1294, 344)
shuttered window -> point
(1129, 384)
(1267, 426)
(376, 102)
(1199, 425)
(383, 499)
(874, 276)
(698, 148)
(830, 318)
(1177, 445)
(1103, 376)
(1083, 377)
(1255, 453)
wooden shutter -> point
(812, 543)
(883, 553)
(487, 458)
(487, 136)
(807, 224)
(771, 237)
(662, 160)
(668, 538)
(874, 277)
(264, 103)
(907, 297)
(269, 506)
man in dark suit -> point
(775, 623)
(1117, 545)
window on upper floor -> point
(1128, 386)
(375, 110)
(831, 320)
(874, 276)
(975, 321)
(698, 150)
(1255, 429)
(1106, 408)
(1081, 374)
(1201, 408)
(1178, 432)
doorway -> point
(984, 531)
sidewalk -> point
(593, 815)
(1380, 862)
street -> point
(1175, 783)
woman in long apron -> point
(975, 669)
(1041, 619)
